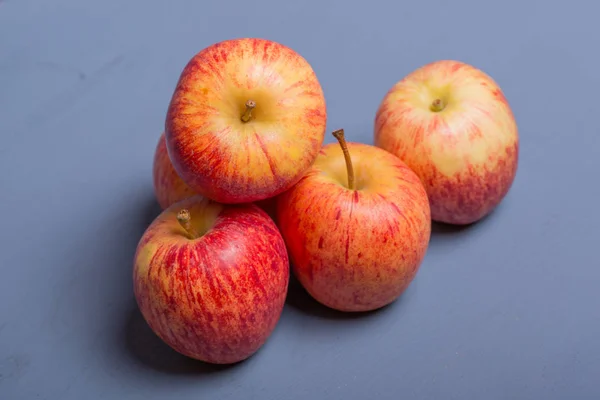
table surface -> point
(506, 309)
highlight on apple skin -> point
(357, 227)
(211, 279)
(246, 120)
(169, 188)
(451, 124)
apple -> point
(211, 279)
(355, 240)
(451, 124)
(246, 120)
(169, 188)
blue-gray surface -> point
(506, 309)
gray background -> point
(506, 309)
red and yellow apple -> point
(169, 188)
(246, 120)
(356, 226)
(451, 124)
(211, 279)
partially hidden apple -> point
(169, 188)
(357, 226)
(452, 125)
(246, 120)
(211, 279)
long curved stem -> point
(339, 135)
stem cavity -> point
(339, 135)
(247, 115)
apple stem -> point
(250, 104)
(339, 135)
(184, 218)
(437, 105)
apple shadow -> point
(148, 349)
(441, 228)
(300, 300)
(443, 233)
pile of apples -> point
(249, 192)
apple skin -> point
(355, 250)
(216, 298)
(467, 154)
(169, 188)
(225, 159)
